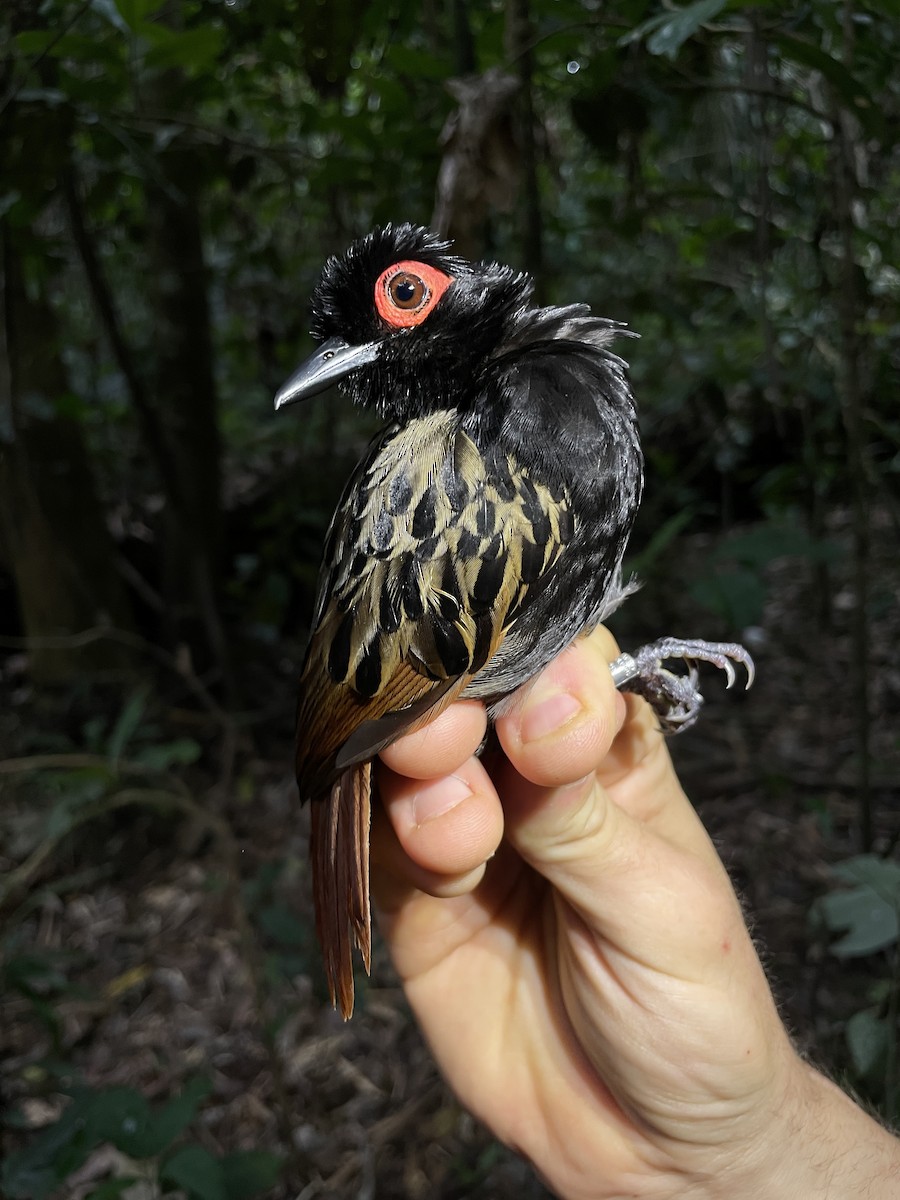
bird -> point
(482, 531)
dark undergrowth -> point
(164, 1022)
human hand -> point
(591, 992)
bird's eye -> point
(408, 291)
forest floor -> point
(166, 944)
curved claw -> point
(750, 668)
(675, 697)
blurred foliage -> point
(123, 1118)
(722, 176)
(687, 181)
(864, 909)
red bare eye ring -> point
(407, 292)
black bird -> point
(481, 533)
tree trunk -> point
(185, 392)
(56, 544)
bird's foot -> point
(675, 698)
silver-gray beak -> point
(332, 361)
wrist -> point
(819, 1144)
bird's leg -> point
(675, 698)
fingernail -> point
(547, 715)
(439, 798)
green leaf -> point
(175, 1117)
(196, 1172)
(15, 1118)
(38, 1170)
(35, 974)
(736, 595)
(880, 874)
(135, 12)
(850, 89)
(249, 1172)
(758, 547)
(282, 926)
(110, 12)
(33, 41)
(870, 921)
(194, 49)
(85, 787)
(660, 541)
(667, 32)
(111, 1189)
(121, 1115)
(417, 63)
(181, 753)
(52, 97)
(92, 734)
(868, 1040)
(124, 1117)
(127, 723)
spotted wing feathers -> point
(433, 553)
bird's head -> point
(406, 327)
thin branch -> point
(81, 761)
(771, 93)
(20, 877)
(179, 664)
(101, 294)
(15, 88)
(214, 135)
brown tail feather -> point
(339, 848)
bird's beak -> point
(332, 361)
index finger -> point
(442, 746)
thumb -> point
(635, 868)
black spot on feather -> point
(488, 584)
(368, 673)
(484, 517)
(410, 591)
(451, 647)
(400, 493)
(383, 534)
(389, 614)
(484, 631)
(533, 510)
(449, 602)
(501, 477)
(532, 561)
(424, 518)
(468, 544)
(453, 483)
(425, 549)
(494, 548)
(339, 651)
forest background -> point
(723, 177)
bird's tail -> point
(339, 848)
